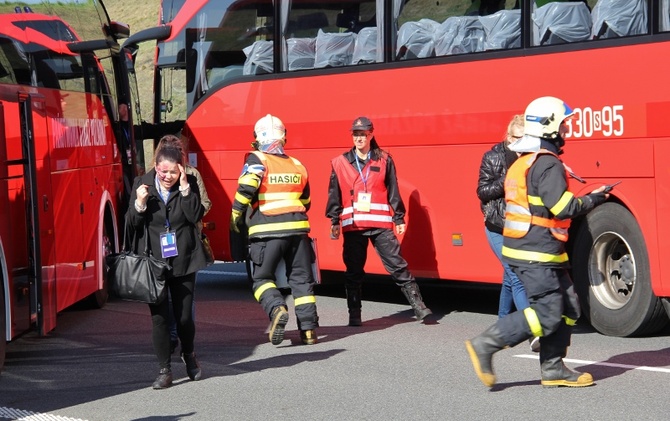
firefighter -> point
(537, 218)
(363, 197)
(275, 186)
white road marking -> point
(604, 363)
(22, 415)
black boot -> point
(411, 291)
(354, 305)
(555, 373)
(278, 321)
(481, 350)
(192, 366)
(164, 379)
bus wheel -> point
(611, 274)
(99, 298)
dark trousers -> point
(181, 290)
(551, 295)
(355, 254)
(296, 251)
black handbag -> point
(137, 277)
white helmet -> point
(269, 129)
(543, 117)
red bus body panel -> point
(437, 121)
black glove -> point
(597, 198)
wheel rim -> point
(612, 270)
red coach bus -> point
(440, 80)
(62, 76)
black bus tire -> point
(610, 267)
(99, 298)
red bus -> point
(62, 76)
(441, 80)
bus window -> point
(16, 69)
(430, 29)
(664, 16)
(612, 19)
(335, 35)
(558, 22)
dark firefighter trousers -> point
(554, 308)
(355, 254)
(296, 251)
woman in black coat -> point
(168, 201)
(491, 193)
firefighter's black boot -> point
(555, 373)
(278, 321)
(354, 305)
(411, 291)
(481, 350)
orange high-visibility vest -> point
(282, 185)
(518, 217)
(351, 184)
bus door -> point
(39, 211)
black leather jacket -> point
(491, 185)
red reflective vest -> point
(518, 216)
(351, 184)
(282, 185)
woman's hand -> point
(142, 193)
(183, 182)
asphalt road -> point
(99, 364)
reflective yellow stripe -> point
(279, 204)
(569, 321)
(249, 179)
(279, 226)
(562, 203)
(307, 299)
(535, 200)
(279, 196)
(534, 256)
(242, 199)
(533, 321)
(305, 201)
(261, 289)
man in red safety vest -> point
(364, 199)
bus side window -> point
(559, 23)
(45, 76)
(301, 53)
(664, 12)
(416, 39)
(259, 58)
(334, 49)
(613, 19)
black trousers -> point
(552, 296)
(181, 291)
(355, 254)
(296, 251)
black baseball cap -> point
(362, 123)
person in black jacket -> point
(491, 193)
(363, 197)
(537, 218)
(167, 200)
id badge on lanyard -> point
(364, 201)
(169, 244)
